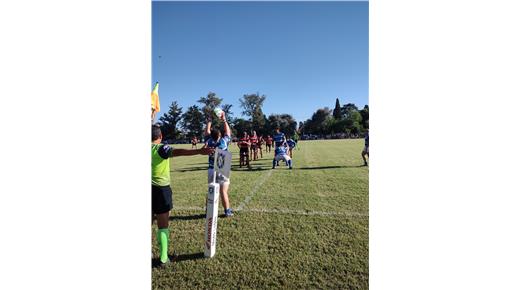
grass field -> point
(302, 228)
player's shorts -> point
(282, 157)
(365, 150)
(253, 146)
(221, 179)
(244, 151)
(161, 199)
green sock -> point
(162, 237)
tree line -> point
(177, 124)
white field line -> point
(254, 190)
(309, 213)
(286, 211)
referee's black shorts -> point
(161, 199)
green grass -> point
(302, 228)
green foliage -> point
(252, 104)
(319, 122)
(240, 126)
(286, 122)
(337, 110)
(193, 122)
(170, 120)
(343, 119)
(364, 117)
(348, 108)
(210, 102)
(252, 107)
(227, 109)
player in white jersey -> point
(280, 153)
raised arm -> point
(227, 130)
(208, 128)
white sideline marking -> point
(309, 213)
(287, 211)
(253, 191)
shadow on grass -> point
(156, 262)
(192, 217)
(253, 168)
(188, 217)
(329, 167)
(199, 168)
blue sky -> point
(301, 55)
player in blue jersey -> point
(278, 138)
(365, 150)
(280, 153)
(214, 139)
(291, 143)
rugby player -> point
(214, 139)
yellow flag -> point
(156, 106)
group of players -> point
(252, 145)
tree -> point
(318, 121)
(240, 126)
(347, 108)
(329, 125)
(337, 110)
(170, 120)
(210, 102)
(286, 123)
(364, 117)
(193, 122)
(227, 109)
(354, 116)
(252, 107)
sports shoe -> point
(228, 212)
(163, 264)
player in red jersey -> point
(253, 139)
(268, 143)
(261, 142)
(243, 144)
